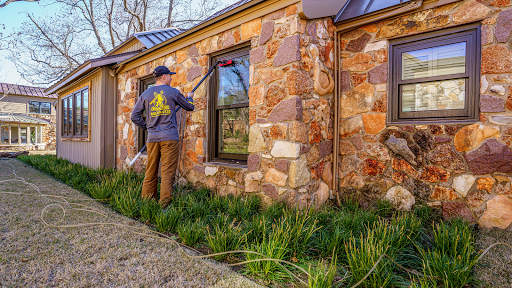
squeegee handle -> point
(137, 156)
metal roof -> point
(356, 8)
(225, 10)
(14, 89)
(19, 118)
(155, 37)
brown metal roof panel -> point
(357, 8)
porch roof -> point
(22, 119)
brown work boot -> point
(165, 202)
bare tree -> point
(7, 2)
(45, 49)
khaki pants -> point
(167, 152)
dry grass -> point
(32, 254)
(495, 268)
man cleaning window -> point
(160, 102)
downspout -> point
(336, 120)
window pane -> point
(234, 130)
(65, 116)
(438, 95)
(85, 117)
(234, 82)
(78, 104)
(33, 106)
(23, 135)
(435, 61)
(4, 134)
(14, 135)
(46, 108)
(70, 116)
(32, 134)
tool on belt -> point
(222, 63)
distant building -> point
(27, 118)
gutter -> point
(189, 32)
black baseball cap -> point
(161, 70)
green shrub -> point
(191, 233)
(227, 237)
(167, 220)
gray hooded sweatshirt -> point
(160, 103)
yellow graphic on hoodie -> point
(159, 105)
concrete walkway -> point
(33, 254)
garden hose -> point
(180, 245)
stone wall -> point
(49, 131)
(290, 109)
(464, 169)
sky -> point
(12, 16)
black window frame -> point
(468, 33)
(72, 133)
(142, 135)
(214, 110)
(39, 107)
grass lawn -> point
(332, 247)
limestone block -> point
(276, 177)
(298, 172)
(210, 170)
(285, 149)
(463, 183)
(256, 140)
(321, 195)
(252, 181)
(498, 213)
(401, 198)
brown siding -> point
(85, 153)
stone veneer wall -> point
(291, 109)
(466, 169)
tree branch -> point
(2, 5)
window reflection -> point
(234, 82)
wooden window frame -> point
(213, 115)
(73, 136)
(39, 107)
(468, 33)
(142, 135)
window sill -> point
(432, 122)
(227, 164)
(76, 139)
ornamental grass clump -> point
(149, 209)
(167, 220)
(452, 255)
(127, 201)
(322, 276)
(274, 246)
(191, 233)
(226, 237)
(303, 224)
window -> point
(229, 115)
(39, 107)
(144, 84)
(435, 77)
(75, 114)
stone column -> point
(19, 134)
(9, 133)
